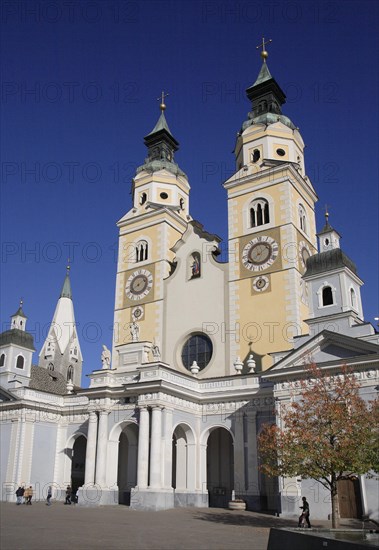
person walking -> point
(49, 494)
(19, 495)
(29, 493)
(305, 513)
(68, 495)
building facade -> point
(203, 350)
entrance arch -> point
(220, 467)
(183, 459)
(78, 461)
(127, 462)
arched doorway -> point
(127, 462)
(78, 460)
(220, 467)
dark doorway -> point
(78, 463)
(127, 463)
(220, 468)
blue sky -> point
(80, 82)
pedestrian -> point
(305, 513)
(49, 494)
(30, 495)
(68, 495)
(19, 495)
(26, 495)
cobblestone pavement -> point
(61, 527)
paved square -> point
(114, 527)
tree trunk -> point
(335, 506)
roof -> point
(328, 261)
(48, 381)
(66, 289)
(264, 74)
(327, 229)
(19, 312)
(160, 125)
(18, 337)
(326, 347)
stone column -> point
(155, 451)
(167, 463)
(143, 448)
(239, 450)
(102, 441)
(89, 472)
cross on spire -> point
(264, 53)
(326, 213)
(162, 106)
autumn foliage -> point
(327, 432)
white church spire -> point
(61, 351)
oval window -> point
(163, 196)
(197, 348)
(280, 152)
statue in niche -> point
(134, 331)
(195, 266)
(106, 357)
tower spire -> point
(66, 289)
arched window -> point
(302, 218)
(353, 298)
(327, 296)
(20, 362)
(143, 198)
(2, 359)
(70, 373)
(259, 213)
(142, 251)
(256, 155)
(50, 367)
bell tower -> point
(271, 227)
(147, 233)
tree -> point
(327, 432)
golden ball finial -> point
(162, 106)
(264, 55)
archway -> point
(220, 467)
(183, 459)
(127, 462)
(78, 460)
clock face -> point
(260, 253)
(139, 284)
(261, 283)
(304, 253)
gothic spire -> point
(66, 289)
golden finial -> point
(68, 267)
(21, 302)
(264, 53)
(162, 106)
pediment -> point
(6, 396)
(324, 347)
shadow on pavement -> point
(250, 520)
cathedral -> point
(203, 350)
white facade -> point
(173, 419)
